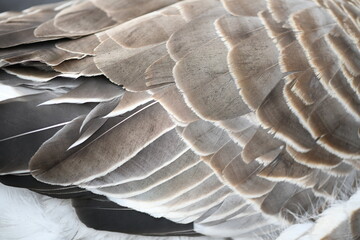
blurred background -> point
(18, 5)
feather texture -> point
(226, 118)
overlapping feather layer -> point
(241, 117)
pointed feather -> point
(152, 158)
(94, 120)
(194, 211)
(31, 73)
(61, 170)
(171, 99)
(230, 205)
(46, 53)
(130, 101)
(193, 197)
(93, 90)
(132, 188)
(169, 190)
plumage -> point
(224, 118)
(151, 157)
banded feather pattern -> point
(183, 118)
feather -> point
(231, 205)
(228, 118)
(84, 45)
(34, 117)
(171, 99)
(195, 8)
(83, 67)
(129, 9)
(19, 29)
(92, 90)
(11, 93)
(135, 34)
(47, 171)
(105, 215)
(31, 73)
(243, 178)
(219, 98)
(94, 120)
(162, 175)
(183, 41)
(204, 137)
(249, 223)
(260, 144)
(160, 72)
(13, 160)
(195, 199)
(284, 168)
(274, 113)
(223, 157)
(45, 53)
(239, 124)
(82, 18)
(316, 157)
(250, 78)
(152, 158)
(241, 7)
(49, 30)
(121, 69)
(281, 10)
(194, 211)
(163, 193)
(28, 181)
(129, 102)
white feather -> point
(26, 215)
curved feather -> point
(228, 118)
